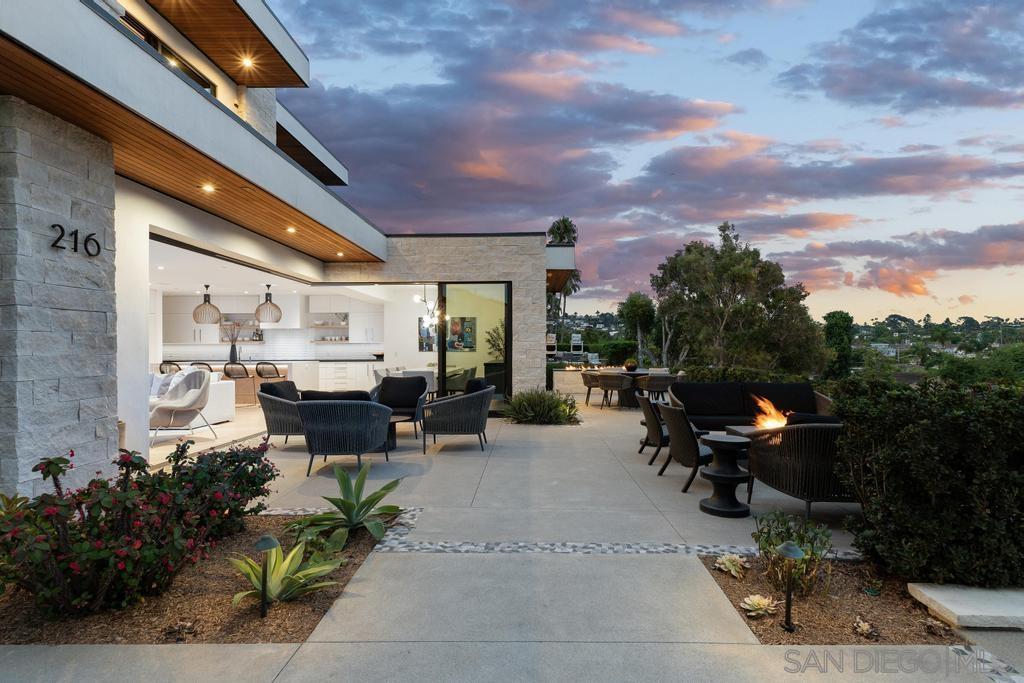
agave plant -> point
(288, 577)
(733, 564)
(758, 605)
(353, 511)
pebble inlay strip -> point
(395, 541)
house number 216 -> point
(90, 245)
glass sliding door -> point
(475, 335)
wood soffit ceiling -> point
(149, 155)
(226, 34)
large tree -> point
(839, 339)
(638, 316)
(728, 306)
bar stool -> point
(203, 366)
(267, 370)
(245, 385)
(167, 368)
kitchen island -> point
(323, 375)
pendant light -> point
(268, 311)
(206, 313)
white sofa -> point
(221, 405)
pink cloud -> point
(646, 23)
(614, 42)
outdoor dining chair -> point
(591, 380)
(683, 446)
(657, 435)
(612, 383)
(656, 384)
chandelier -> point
(268, 311)
(206, 313)
(431, 306)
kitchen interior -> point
(329, 337)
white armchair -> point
(183, 403)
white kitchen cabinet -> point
(305, 374)
(320, 303)
(241, 304)
(335, 376)
(178, 328)
(366, 326)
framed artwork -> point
(427, 336)
(461, 333)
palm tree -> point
(562, 231)
(572, 285)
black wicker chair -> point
(465, 414)
(656, 435)
(203, 366)
(168, 368)
(798, 460)
(405, 396)
(343, 428)
(279, 401)
(591, 381)
(683, 446)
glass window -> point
(172, 58)
(475, 335)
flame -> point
(768, 416)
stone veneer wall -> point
(57, 320)
(258, 107)
(516, 258)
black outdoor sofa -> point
(717, 405)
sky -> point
(873, 148)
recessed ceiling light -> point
(172, 61)
(245, 292)
(291, 230)
(341, 253)
(294, 292)
(247, 62)
(208, 187)
(159, 267)
(198, 292)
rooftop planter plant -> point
(116, 540)
(539, 407)
(939, 471)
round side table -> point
(725, 475)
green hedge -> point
(939, 471)
(703, 373)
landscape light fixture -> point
(268, 311)
(791, 553)
(206, 313)
(265, 545)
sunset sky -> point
(875, 149)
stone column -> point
(57, 321)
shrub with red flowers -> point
(115, 540)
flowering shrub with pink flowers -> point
(116, 540)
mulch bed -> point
(197, 607)
(827, 617)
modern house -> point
(143, 155)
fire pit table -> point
(725, 475)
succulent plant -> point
(865, 629)
(758, 605)
(733, 564)
(873, 587)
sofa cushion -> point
(717, 423)
(353, 395)
(812, 419)
(284, 390)
(795, 397)
(710, 398)
(401, 392)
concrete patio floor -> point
(568, 598)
